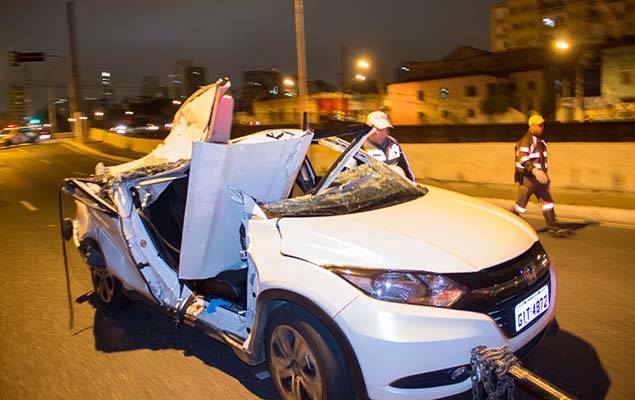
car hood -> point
(442, 232)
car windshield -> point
(365, 187)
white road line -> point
(28, 205)
(47, 161)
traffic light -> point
(15, 58)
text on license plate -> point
(530, 308)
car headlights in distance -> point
(403, 287)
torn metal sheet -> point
(191, 124)
(263, 167)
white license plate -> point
(531, 308)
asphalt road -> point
(139, 354)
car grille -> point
(497, 290)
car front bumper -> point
(393, 341)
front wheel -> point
(304, 359)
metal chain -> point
(490, 366)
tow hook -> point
(497, 370)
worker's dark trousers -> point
(531, 186)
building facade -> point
(323, 106)
(18, 108)
(105, 83)
(525, 23)
(185, 80)
(473, 86)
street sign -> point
(15, 57)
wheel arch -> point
(269, 300)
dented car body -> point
(356, 284)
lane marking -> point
(47, 161)
(28, 205)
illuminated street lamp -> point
(562, 45)
(363, 64)
(288, 82)
(129, 113)
(176, 102)
(360, 77)
(99, 113)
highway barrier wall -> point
(139, 145)
(580, 165)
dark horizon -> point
(227, 38)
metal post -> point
(26, 80)
(73, 85)
(301, 56)
(537, 385)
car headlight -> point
(420, 288)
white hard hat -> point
(378, 119)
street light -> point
(363, 64)
(360, 77)
(562, 45)
(288, 82)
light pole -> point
(301, 56)
(73, 86)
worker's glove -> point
(540, 176)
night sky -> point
(134, 38)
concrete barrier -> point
(595, 166)
(584, 165)
(138, 145)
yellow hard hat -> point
(536, 120)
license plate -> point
(531, 308)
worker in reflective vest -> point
(384, 147)
(532, 174)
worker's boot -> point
(552, 224)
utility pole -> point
(73, 85)
(301, 56)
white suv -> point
(357, 284)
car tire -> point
(304, 359)
(108, 289)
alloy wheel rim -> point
(104, 284)
(294, 367)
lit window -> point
(549, 22)
(444, 93)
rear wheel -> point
(304, 359)
(108, 289)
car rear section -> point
(412, 351)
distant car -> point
(20, 134)
(358, 284)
